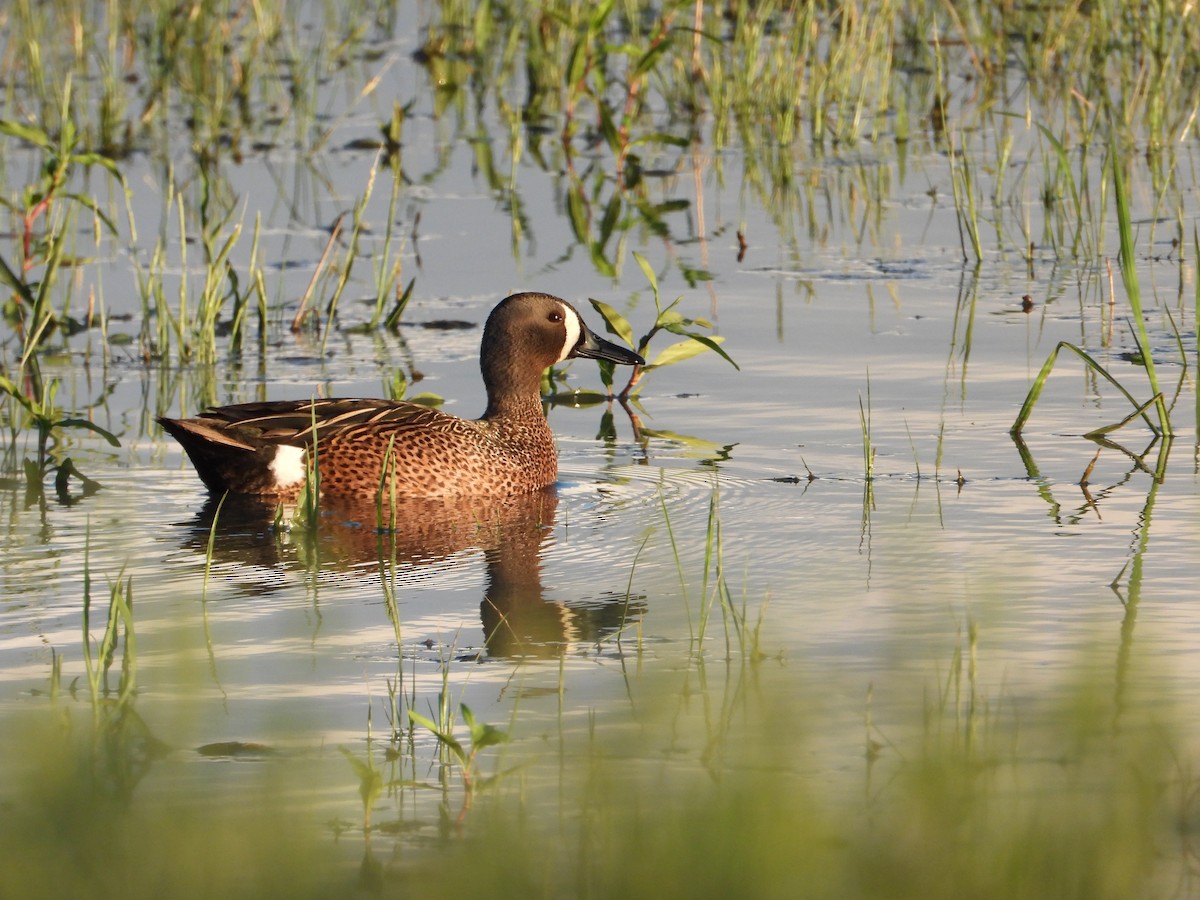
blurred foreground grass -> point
(729, 783)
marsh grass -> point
(646, 86)
(48, 420)
(1081, 795)
(465, 756)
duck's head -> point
(527, 333)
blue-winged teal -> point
(263, 448)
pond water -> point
(850, 312)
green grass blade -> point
(1035, 391)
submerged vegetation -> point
(1059, 137)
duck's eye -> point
(556, 317)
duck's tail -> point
(228, 461)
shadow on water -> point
(512, 533)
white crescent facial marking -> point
(574, 330)
(288, 466)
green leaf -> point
(20, 288)
(695, 344)
(714, 344)
(482, 734)
(677, 353)
(647, 271)
(577, 399)
(601, 13)
(608, 128)
(615, 322)
(577, 210)
(672, 140)
(650, 59)
(1035, 390)
(93, 205)
(98, 159)
(606, 372)
(370, 782)
(697, 448)
(482, 24)
(361, 769)
(487, 736)
(392, 322)
(603, 266)
(33, 135)
(671, 320)
(426, 398)
(611, 213)
(9, 387)
(576, 64)
(445, 737)
(90, 426)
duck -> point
(268, 449)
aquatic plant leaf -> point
(90, 426)
(482, 734)
(672, 140)
(30, 133)
(370, 782)
(236, 748)
(677, 352)
(444, 736)
(705, 449)
(481, 24)
(1035, 390)
(615, 322)
(92, 205)
(603, 266)
(577, 211)
(576, 399)
(1097, 434)
(577, 64)
(607, 371)
(392, 322)
(20, 288)
(609, 221)
(650, 58)
(608, 128)
(713, 343)
(9, 387)
(647, 271)
(671, 206)
(694, 276)
(1133, 291)
(598, 17)
(686, 349)
(96, 159)
(425, 398)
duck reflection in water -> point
(419, 535)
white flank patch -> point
(288, 465)
(571, 323)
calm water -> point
(859, 300)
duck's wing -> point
(292, 421)
(244, 448)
